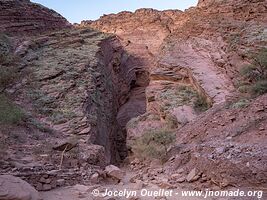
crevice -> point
(121, 91)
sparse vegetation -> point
(234, 41)
(242, 103)
(40, 126)
(43, 103)
(154, 144)
(4, 48)
(3, 150)
(186, 93)
(259, 88)
(9, 112)
(7, 76)
(255, 75)
(171, 121)
(200, 103)
(8, 70)
(62, 116)
(183, 95)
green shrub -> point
(256, 74)
(4, 49)
(39, 125)
(8, 70)
(244, 88)
(242, 103)
(259, 88)
(7, 76)
(62, 116)
(9, 112)
(200, 103)
(154, 144)
(250, 72)
(3, 150)
(260, 60)
(171, 121)
(186, 93)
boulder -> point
(95, 178)
(92, 154)
(14, 188)
(66, 145)
(114, 172)
(193, 175)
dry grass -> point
(153, 144)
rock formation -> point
(24, 17)
(17, 189)
(202, 48)
(89, 92)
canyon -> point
(86, 96)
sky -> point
(77, 10)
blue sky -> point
(78, 10)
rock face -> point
(199, 51)
(74, 83)
(16, 189)
(231, 139)
(158, 70)
(24, 17)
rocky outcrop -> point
(75, 83)
(114, 172)
(230, 138)
(24, 17)
(83, 91)
(17, 189)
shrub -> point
(256, 74)
(250, 72)
(200, 103)
(154, 144)
(8, 71)
(186, 93)
(242, 103)
(9, 113)
(260, 60)
(259, 88)
(3, 150)
(244, 88)
(39, 125)
(171, 121)
(7, 76)
(4, 49)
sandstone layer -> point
(24, 17)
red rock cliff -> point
(24, 17)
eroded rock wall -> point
(24, 17)
(202, 48)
